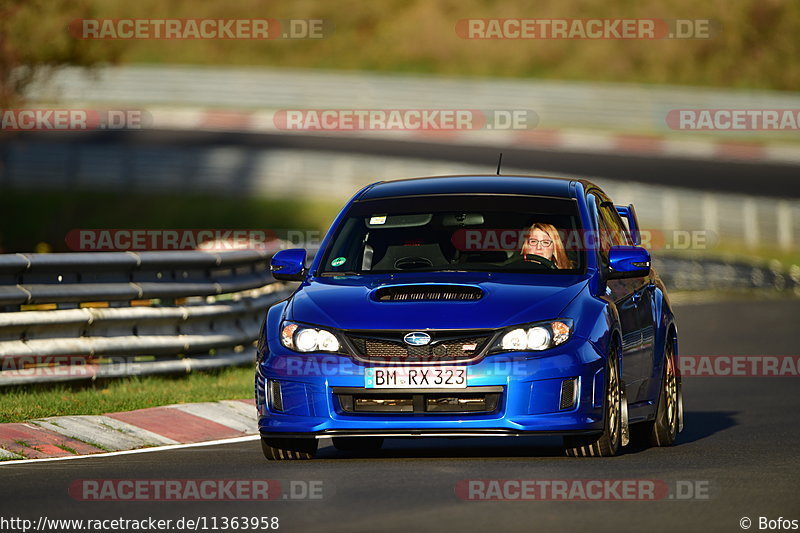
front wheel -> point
(615, 430)
(669, 413)
(277, 449)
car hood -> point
(347, 302)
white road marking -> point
(140, 450)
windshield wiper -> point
(333, 274)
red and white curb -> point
(566, 140)
(69, 436)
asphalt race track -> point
(757, 177)
(738, 452)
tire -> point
(357, 444)
(277, 449)
(669, 412)
(610, 441)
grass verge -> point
(31, 402)
(32, 216)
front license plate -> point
(416, 377)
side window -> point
(603, 230)
(617, 231)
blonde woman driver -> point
(543, 241)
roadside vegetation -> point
(39, 220)
(754, 43)
(109, 396)
(755, 46)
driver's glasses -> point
(537, 242)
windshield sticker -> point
(378, 219)
(339, 261)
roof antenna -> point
(499, 161)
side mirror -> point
(289, 265)
(628, 262)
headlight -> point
(307, 339)
(534, 337)
(539, 338)
(515, 339)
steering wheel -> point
(539, 260)
(407, 263)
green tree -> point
(35, 40)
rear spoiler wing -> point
(629, 213)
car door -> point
(641, 295)
(644, 296)
(627, 295)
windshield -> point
(489, 233)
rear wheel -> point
(277, 449)
(669, 413)
(357, 444)
(616, 425)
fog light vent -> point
(569, 393)
(275, 398)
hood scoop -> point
(427, 292)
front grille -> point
(472, 400)
(415, 293)
(461, 403)
(379, 404)
(444, 346)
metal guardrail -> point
(709, 274)
(89, 315)
(607, 106)
(125, 276)
(107, 314)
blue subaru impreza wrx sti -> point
(468, 306)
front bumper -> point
(314, 389)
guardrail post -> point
(750, 223)
(784, 215)
(710, 215)
(669, 211)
